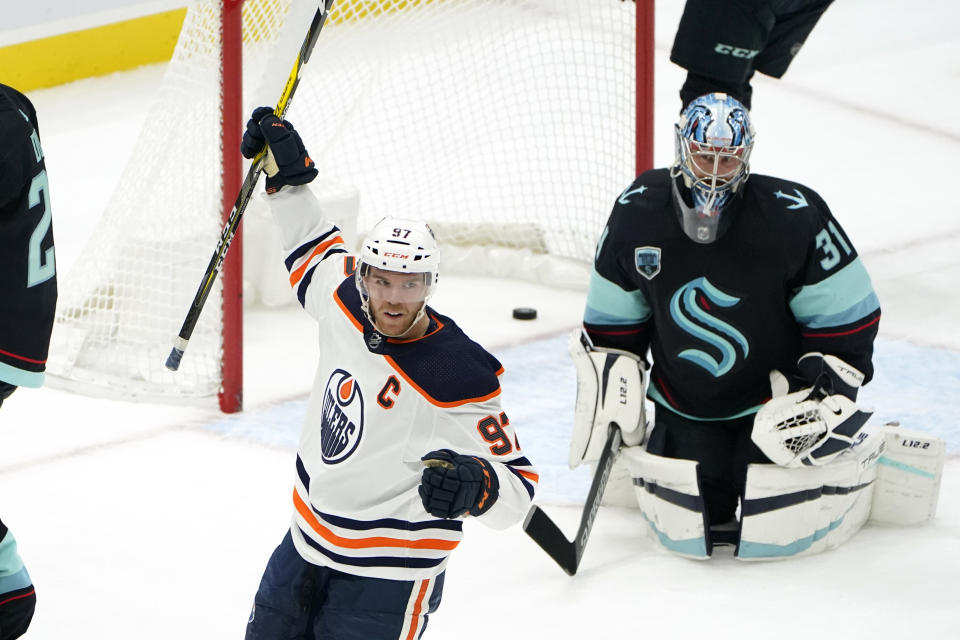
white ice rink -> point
(155, 521)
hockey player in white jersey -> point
(404, 434)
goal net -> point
(506, 124)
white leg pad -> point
(789, 512)
(908, 477)
(619, 489)
(668, 492)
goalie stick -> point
(548, 535)
(243, 198)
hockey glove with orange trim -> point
(287, 161)
(453, 485)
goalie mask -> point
(714, 138)
(396, 274)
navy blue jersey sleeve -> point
(28, 282)
(617, 313)
(834, 301)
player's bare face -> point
(395, 301)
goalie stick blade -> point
(547, 534)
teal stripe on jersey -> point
(843, 298)
(607, 303)
(13, 575)
(660, 400)
(19, 377)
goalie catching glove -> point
(453, 485)
(811, 425)
(287, 161)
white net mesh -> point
(504, 123)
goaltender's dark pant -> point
(723, 449)
(298, 600)
(17, 596)
(6, 390)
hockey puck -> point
(525, 313)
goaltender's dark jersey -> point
(28, 282)
(782, 281)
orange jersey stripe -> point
(529, 475)
(346, 312)
(364, 543)
(417, 608)
(297, 275)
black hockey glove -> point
(453, 485)
(292, 164)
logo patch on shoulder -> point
(341, 422)
(648, 261)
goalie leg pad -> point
(793, 511)
(668, 492)
(908, 477)
(611, 385)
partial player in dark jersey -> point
(723, 280)
(28, 287)
(721, 43)
(28, 284)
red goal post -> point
(509, 125)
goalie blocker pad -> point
(611, 385)
(890, 476)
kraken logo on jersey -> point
(341, 423)
(691, 316)
(648, 261)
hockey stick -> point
(548, 535)
(243, 198)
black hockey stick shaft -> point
(243, 197)
(548, 535)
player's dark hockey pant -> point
(6, 389)
(300, 600)
(17, 596)
(723, 449)
(722, 42)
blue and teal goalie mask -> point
(714, 138)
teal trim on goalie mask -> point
(906, 467)
(661, 401)
(13, 575)
(748, 549)
(843, 298)
(695, 547)
(607, 303)
(19, 377)
(683, 307)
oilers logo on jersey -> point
(341, 424)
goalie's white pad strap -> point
(668, 492)
(908, 477)
(788, 511)
(611, 385)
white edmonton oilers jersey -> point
(378, 405)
